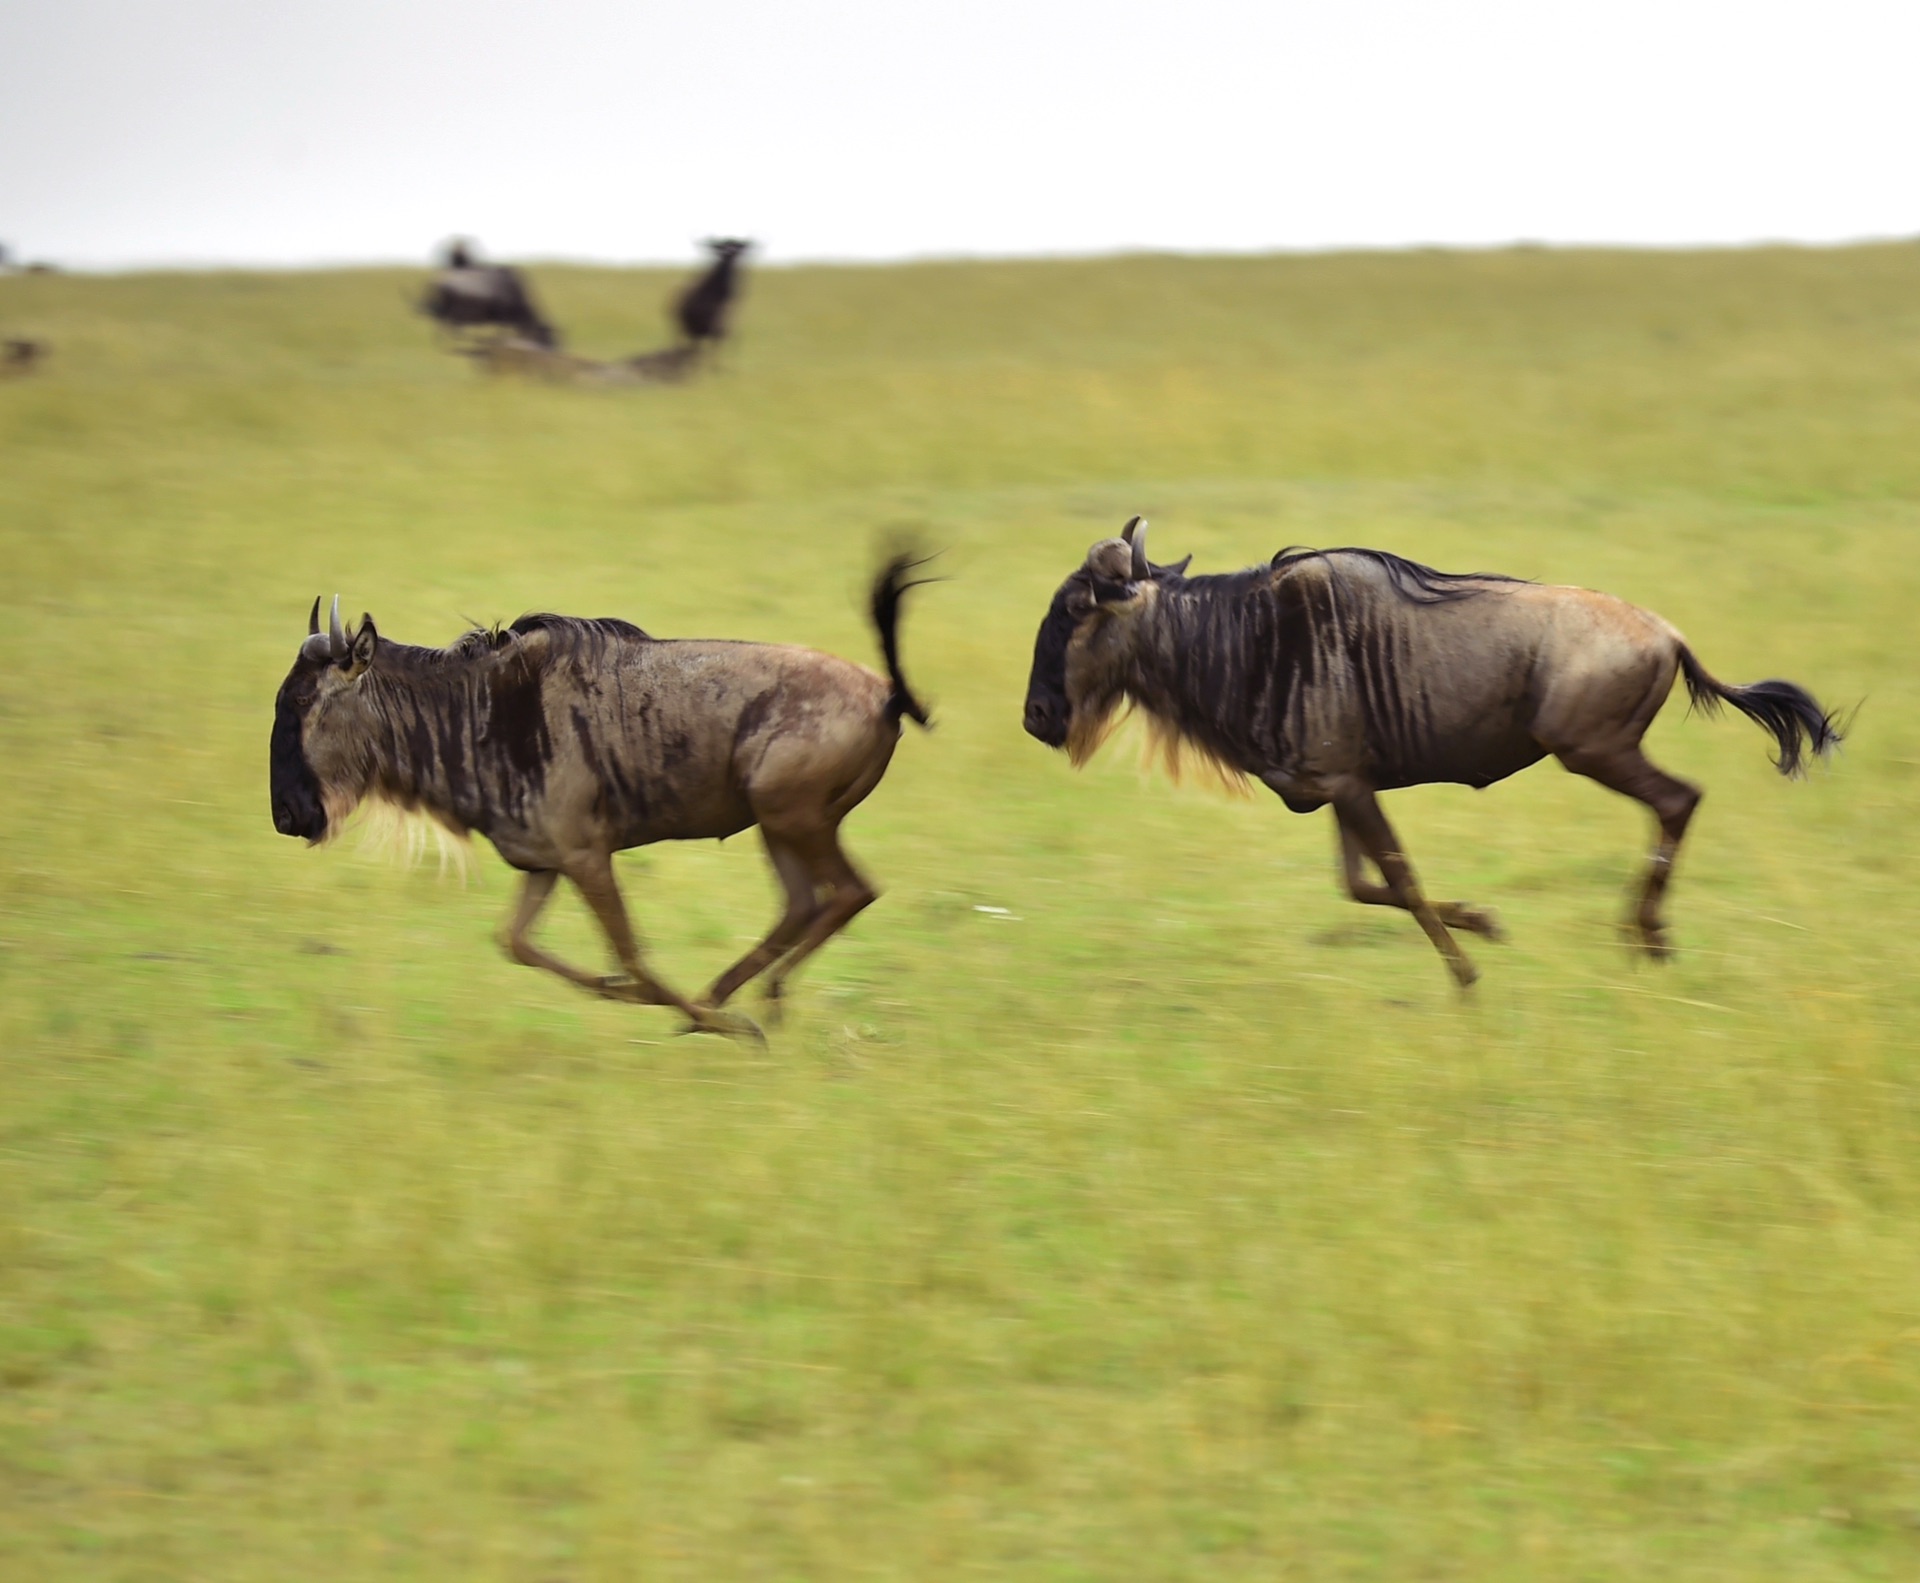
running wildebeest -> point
(20, 356)
(564, 740)
(469, 295)
(702, 308)
(1332, 675)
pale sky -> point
(279, 132)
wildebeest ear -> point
(361, 648)
(1108, 592)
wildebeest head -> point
(320, 768)
(726, 246)
(1082, 653)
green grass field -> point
(1179, 1221)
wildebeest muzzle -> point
(297, 809)
(1046, 720)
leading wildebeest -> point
(565, 740)
(701, 310)
(468, 295)
(1331, 675)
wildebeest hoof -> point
(711, 1019)
(1483, 921)
(1464, 972)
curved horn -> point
(1135, 533)
(313, 619)
(336, 639)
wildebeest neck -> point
(1217, 660)
(460, 731)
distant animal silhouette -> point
(20, 356)
(469, 295)
(702, 309)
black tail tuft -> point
(889, 588)
(1785, 709)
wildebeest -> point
(564, 740)
(702, 308)
(20, 356)
(469, 295)
(1332, 675)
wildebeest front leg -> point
(1361, 814)
(534, 896)
(1454, 914)
(594, 878)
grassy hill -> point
(1176, 1219)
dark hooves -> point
(729, 1024)
(1656, 945)
(1485, 922)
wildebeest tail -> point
(889, 588)
(1785, 709)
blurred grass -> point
(1180, 1223)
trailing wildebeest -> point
(468, 295)
(20, 356)
(703, 307)
(564, 740)
(1331, 675)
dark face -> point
(1048, 710)
(297, 809)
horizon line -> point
(828, 260)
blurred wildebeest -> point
(703, 307)
(565, 740)
(20, 356)
(469, 295)
(1331, 675)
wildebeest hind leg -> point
(1631, 773)
(594, 878)
(1361, 814)
(801, 905)
(848, 894)
(1454, 914)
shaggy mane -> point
(1177, 754)
(1165, 745)
(400, 831)
(1413, 582)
